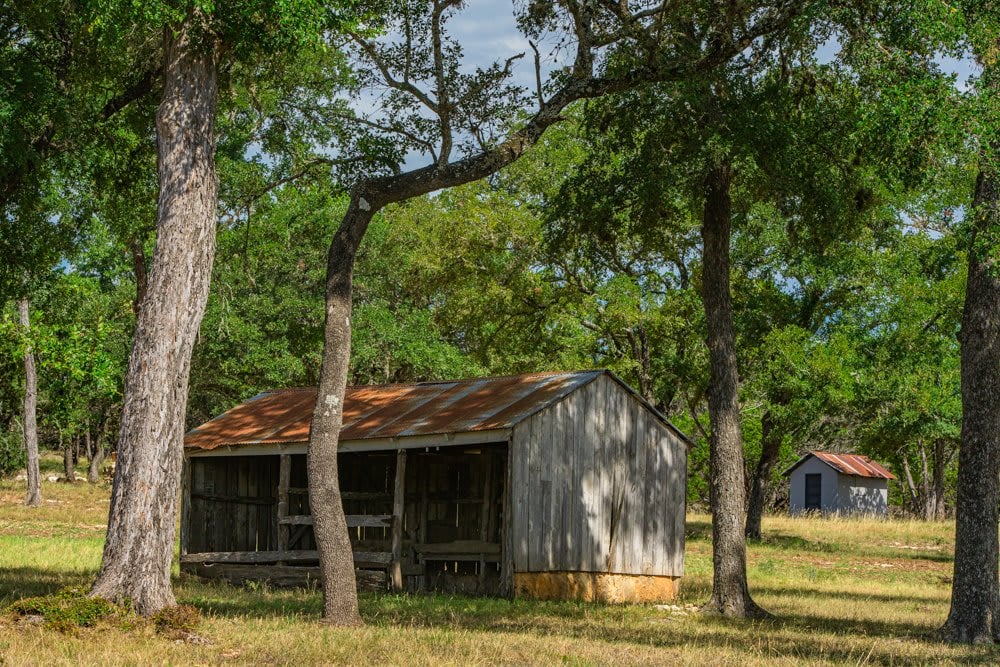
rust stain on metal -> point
(383, 411)
(848, 464)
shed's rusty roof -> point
(848, 464)
(395, 410)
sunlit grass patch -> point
(844, 591)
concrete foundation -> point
(596, 587)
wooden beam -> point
(484, 518)
(250, 557)
(280, 576)
(237, 500)
(422, 519)
(484, 523)
(398, 507)
(365, 495)
(507, 525)
(381, 558)
(185, 506)
(369, 520)
(458, 547)
(284, 479)
(353, 520)
(296, 520)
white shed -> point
(843, 484)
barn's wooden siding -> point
(597, 485)
(233, 504)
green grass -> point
(843, 592)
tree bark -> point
(770, 447)
(336, 560)
(96, 461)
(143, 515)
(730, 593)
(974, 593)
(68, 469)
(139, 273)
(30, 422)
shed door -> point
(814, 488)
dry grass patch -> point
(844, 592)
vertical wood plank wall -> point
(232, 504)
(598, 484)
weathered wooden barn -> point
(548, 485)
(845, 484)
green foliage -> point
(12, 455)
(71, 609)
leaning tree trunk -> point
(770, 447)
(141, 527)
(336, 560)
(34, 497)
(974, 591)
(730, 594)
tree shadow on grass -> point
(796, 636)
(25, 582)
(826, 596)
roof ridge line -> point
(459, 380)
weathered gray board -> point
(598, 484)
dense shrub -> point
(180, 619)
(69, 609)
(12, 456)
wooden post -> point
(506, 525)
(398, 507)
(185, 506)
(284, 481)
(422, 518)
(484, 519)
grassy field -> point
(843, 592)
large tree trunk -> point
(34, 496)
(974, 591)
(730, 594)
(336, 561)
(141, 527)
(770, 447)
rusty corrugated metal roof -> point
(848, 464)
(395, 410)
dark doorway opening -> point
(814, 491)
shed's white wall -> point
(863, 495)
(598, 484)
(828, 488)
